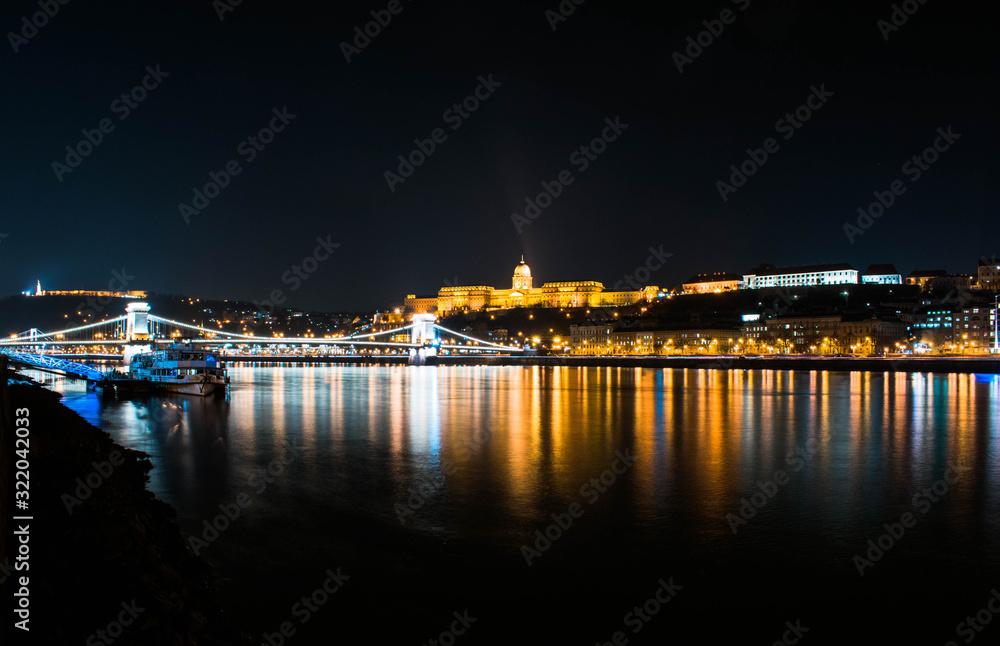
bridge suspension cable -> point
(349, 340)
(471, 338)
(160, 319)
(373, 334)
(45, 335)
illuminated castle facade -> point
(587, 293)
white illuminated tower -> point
(137, 323)
(423, 333)
(136, 331)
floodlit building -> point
(587, 293)
(38, 291)
(881, 275)
(425, 304)
(870, 334)
(713, 283)
(592, 337)
(793, 334)
(825, 334)
(920, 277)
(693, 341)
(770, 276)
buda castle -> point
(586, 293)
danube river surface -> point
(530, 505)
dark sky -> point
(324, 174)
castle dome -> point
(522, 269)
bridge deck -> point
(53, 364)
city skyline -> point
(986, 269)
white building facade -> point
(769, 276)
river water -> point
(564, 505)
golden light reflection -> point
(524, 440)
(703, 438)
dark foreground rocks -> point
(107, 560)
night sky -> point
(324, 174)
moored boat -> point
(181, 368)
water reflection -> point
(527, 439)
(498, 450)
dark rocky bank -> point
(98, 553)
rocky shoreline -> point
(105, 554)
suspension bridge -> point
(138, 330)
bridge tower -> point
(136, 331)
(423, 333)
(137, 323)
